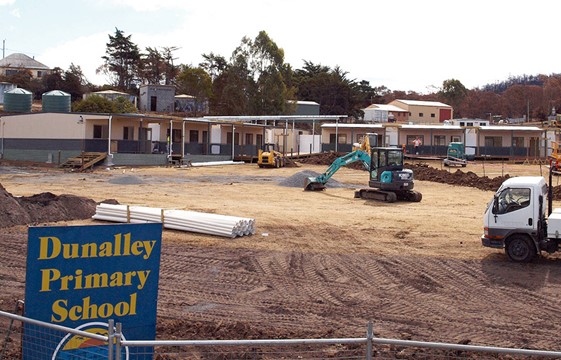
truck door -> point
(513, 208)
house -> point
(379, 113)
(15, 63)
(425, 111)
(157, 98)
(128, 139)
(501, 141)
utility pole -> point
(3, 48)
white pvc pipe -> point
(214, 224)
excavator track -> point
(388, 196)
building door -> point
(153, 103)
(445, 114)
(534, 150)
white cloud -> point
(7, 2)
(15, 13)
(85, 52)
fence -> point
(88, 345)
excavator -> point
(389, 181)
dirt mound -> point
(44, 207)
(427, 173)
(328, 158)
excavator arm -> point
(318, 182)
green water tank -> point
(56, 101)
(18, 100)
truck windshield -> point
(511, 199)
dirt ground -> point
(322, 264)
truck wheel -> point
(519, 248)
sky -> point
(407, 45)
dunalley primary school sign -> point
(82, 276)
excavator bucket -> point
(313, 185)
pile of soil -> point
(43, 207)
(460, 178)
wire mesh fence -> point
(32, 339)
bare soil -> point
(322, 264)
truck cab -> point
(515, 219)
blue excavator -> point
(389, 181)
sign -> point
(83, 276)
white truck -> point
(516, 219)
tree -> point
(336, 94)
(453, 92)
(170, 70)
(122, 62)
(157, 66)
(214, 65)
(195, 82)
(152, 65)
(100, 104)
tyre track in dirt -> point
(320, 290)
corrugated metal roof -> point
(434, 127)
(353, 126)
(385, 107)
(18, 60)
(510, 128)
(422, 103)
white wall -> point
(310, 140)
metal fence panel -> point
(369, 347)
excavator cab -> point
(386, 170)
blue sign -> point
(82, 276)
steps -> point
(85, 161)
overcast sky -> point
(408, 45)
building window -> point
(469, 124)
(432, 115)
(259, 140)
(421, 114)
(411, 138)
(493, 141)
(455, 138)
(518, 141)
(128, 133)
(229, 138)
(10, 72)
(193, 136)
(439, 140)
(205, 137)
(342, 139)
(462, 123)
(249, 139)
(100, 131)
(39, 74)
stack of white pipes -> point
(213, 224)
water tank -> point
(56, 101)
(18, 100)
